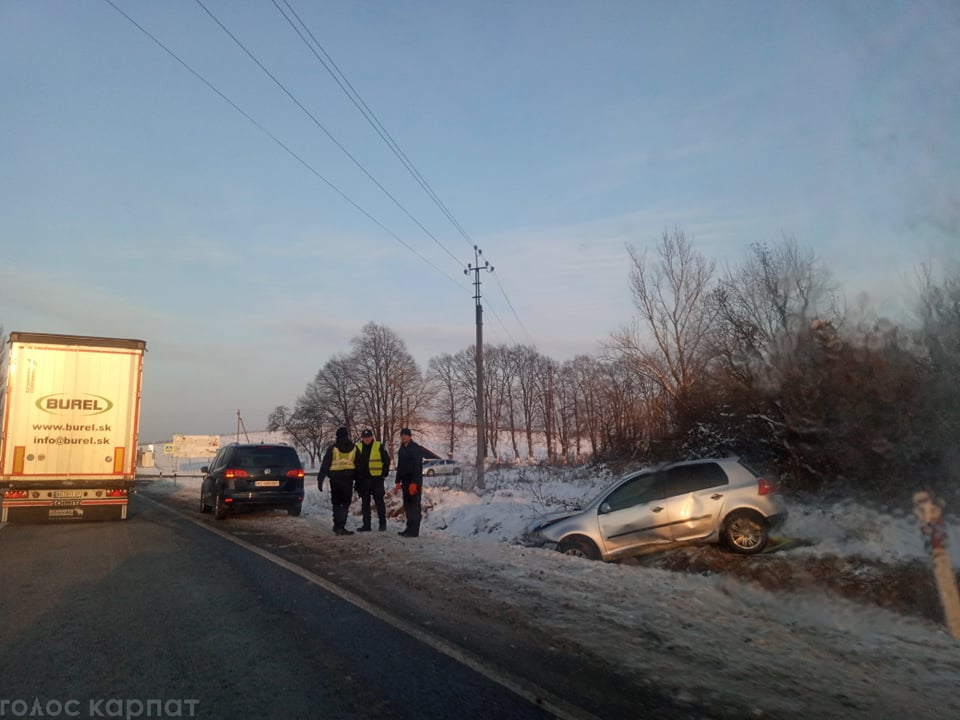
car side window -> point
(221, 459)
(690, 478)
(641, 489)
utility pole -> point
(240, 424)
(481, 412)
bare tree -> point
(586, 372)
(302, 426)
(939, 310)
(670, 341)
(448, 399)
(632, 410)
(764, 304)
(378, 385)
(498, 378)
(566, 406)
(546, 400)
(331, 394)
(386, 383)
(526, 361)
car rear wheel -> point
(220, 509)
(456, 471)
(579, 547)
(746, 532)
(295, 510)
(204, 508)
(429, 473)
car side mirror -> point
(205, 469)
(605, 508)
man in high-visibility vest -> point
(340, 465)
(373, 464)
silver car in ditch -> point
(719, 500)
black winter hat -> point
(406, 431)
(367, 433)
(343, 433)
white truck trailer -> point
(71, 410)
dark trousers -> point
(411, 508)
(372, 488)
(341, 493)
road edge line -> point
(525, 689)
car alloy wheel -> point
(746, 533)
(579, 547)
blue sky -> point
(136, 202)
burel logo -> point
(61, 403)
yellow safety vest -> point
(343, 461)
(376, 462)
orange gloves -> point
(412, 488)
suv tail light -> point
(233, 473)
(765, 487)
(296, 474)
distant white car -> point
(441, 467)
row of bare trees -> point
(764, 361)
(760, 359)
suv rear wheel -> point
(204, 508)
(294, 510)
(220, 508)
(745, 532)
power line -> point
(277, 140)
(510, 305)
(325, 131)
(367, 113)
(330, 65)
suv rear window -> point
(265, 456)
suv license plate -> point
(268, 483)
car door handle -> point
(716, 496)
(656, 509)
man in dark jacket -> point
(340, 465)
(410, 459)
(373, 464)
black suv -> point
(255, 475)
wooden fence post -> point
(934, 530)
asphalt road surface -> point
(157, 614)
